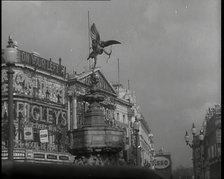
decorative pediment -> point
(103, 83)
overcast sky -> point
(170, 52)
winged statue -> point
(99, 45)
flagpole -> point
(89, 40)
(128, 85)
(118, 76)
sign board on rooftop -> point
(38, 62)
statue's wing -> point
(94, 33)
(109, 42)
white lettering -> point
(57, 113)
(27, 111)
(49, 116)
(20, 109)
(4, 109)
(64, 119)
(34, 114)
(41, 115)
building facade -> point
(40, 109)
(146, 144)
(49, 104)
(198, 157)
(212, 143)
(207, 151)
(141, 145)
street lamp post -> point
(201, 138)
(193, 144)
(153, 158)
(10, 59)
(136, 131)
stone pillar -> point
(69, 113)
(74, 112)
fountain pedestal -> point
(95, 139)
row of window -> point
(123, 119)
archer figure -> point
(98, 45)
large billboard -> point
(39, 63)
(31, 119)
(29, 83)
(39, 105)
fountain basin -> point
(96, 140)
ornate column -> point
(74, 111)
(69, 112)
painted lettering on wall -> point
(35, 85)
(38, 117)
(41, 114)
(41, 63)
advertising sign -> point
(32, 117)
(30, 83)
(37, 62)
(17, 154)
(53, 157)
(28, 133)
(39, 155)
(43, 136)
(63, 157)
(162, 162)
(163, 165)
(41, 116)
(41, 63)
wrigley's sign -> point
(41, 63)
(38, 116)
